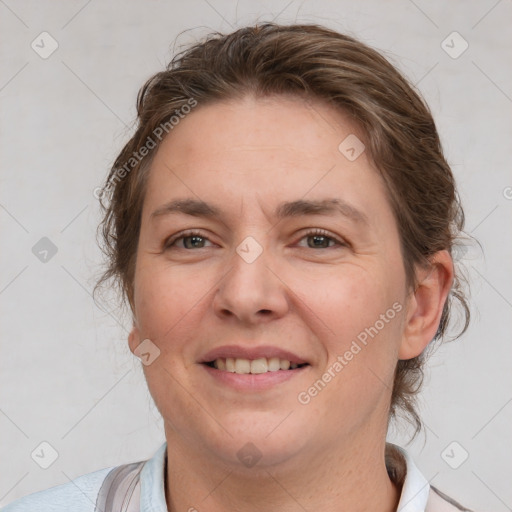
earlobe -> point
(426, 305)
(134, 338)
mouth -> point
(243, 366)
(252, 369)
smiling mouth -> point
(253, 366)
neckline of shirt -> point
(400, 465)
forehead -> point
(275, 149)
(276, 126)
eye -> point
(187, 240)
(320, 239)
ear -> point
(134, 338)
(426, 304)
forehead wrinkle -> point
(242, 209)
(265, 213)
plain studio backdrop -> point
(70, 72)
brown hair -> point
(313, 62)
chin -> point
(257, 442)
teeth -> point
(274, 364)
(284, 364)
(242, 366)
(259, 366)
(254, 366)
(230, 365)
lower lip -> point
(253, 382)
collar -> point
(152, 491)
(413, 498)
(415, 487)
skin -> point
(246, 156)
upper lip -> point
(241, 352)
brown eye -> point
(320, 239)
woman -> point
(281, 225)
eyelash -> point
(312, 232)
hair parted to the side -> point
(315, 63)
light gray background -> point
(67, 376)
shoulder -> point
(81, 492)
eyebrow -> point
(330, 206)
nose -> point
(251, 291)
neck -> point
(352, 477)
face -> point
(293, 262)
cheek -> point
(168, 302)
(165, 298)
(350, 300)
(363, 310)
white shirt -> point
(80, 494)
